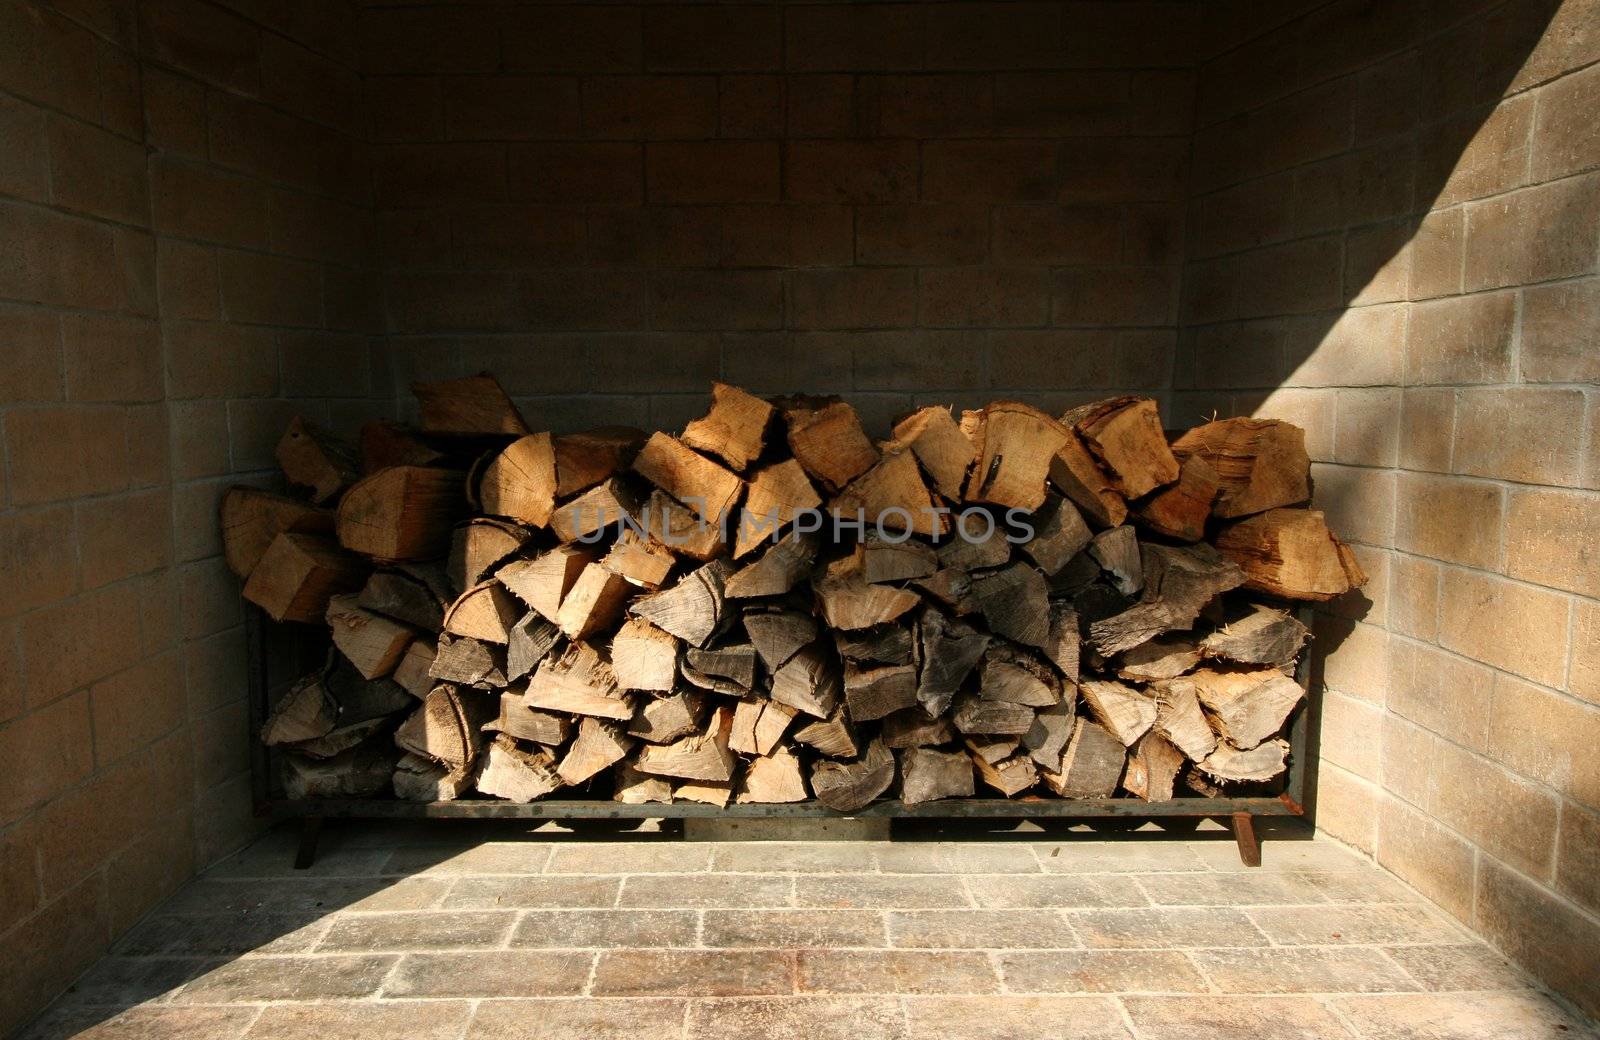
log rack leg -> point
(1244, 833)
(310, 831)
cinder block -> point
(652, 107)
(1427, 427)
(986, 297)
(571, 38)
(124, 536)
(920, 233)
(1058, 235)
(1113, 296)
(1419, 675)
(1547, 936)
(212, 43)
(852, 298)
(60, 453)
(1546, 737)
(851, 171)
(712, 171)
(40, 563)
(1470, 156)
(1462, 339)
(1544, 530)
(995, 36)
(570, 173)
(1414, 597)
(195, 201)
(111, 358)
(713, 38)
(870, 38)
(1527, 434)
(259, 289)
(1422, 852)
(1499, 250)
(1519, 628)
(926, 105)
(24, 153)
(438, 174)
(98, 173)
(1436, 251)
(404, 108)
(1450, 518)
(33, 369)
(920, 360)
(1560, 324)
(1567, 141)
(421, 40)
(134, 708)
(511, 108)
(217, 360)
(1367, 431)
(725, 300)
(999, 171)
(1576, 854)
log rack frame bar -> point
(1239, 812)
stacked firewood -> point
(772, 607)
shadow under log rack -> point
(1240, 812)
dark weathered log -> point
(1014, 675)
(469, 662)
(662, 720)
(1178, 583)
(1014, 603)
(977, 715)
(884, 561)
(872, 693)
(947, 651)
(1047, 738)
(980, 543)
(884, 644)
(1117, 551)
(735, 662)
(1059, 535)
(778, 634)
(1063, 645)
(531, 640)
(404, 597)
(780, 568)
(305, 712)
(928, 774)
(850, 786)
(361, 771)
(911, 727)
(1092, 765)
(418, 779)
(809, 681)
(1262, 636)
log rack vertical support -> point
(310, 831)
(1244, 833)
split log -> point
(369, 641)
(735, 662)
(517, 719)
(1011, 674)
(776, 777)
(694, 609)
(1181, 720)
(1246, 707)
(544, 581)
(1125, 435)
(315, 459)
(517, 774)
(631, 787)
(1164, 657)
(473, 405)
(638, 560)
(710, 491)
(1125, 712)
(359, 698)
(947, 651)
(1076, 474)
(1178, 583)
(252, 519)
(521, 482)
(531, 640)
(735, 430)
(758, 726)
(848, 787)
(1014, 602)
(1153, 766)
(404, 597)
(594, 603)
(978, 715)
(307, 711)
(1117, 552)
(1291, 553)
(1046, 740)
(1181, 510)
(778, 634)
(402, 513)
(644, 657)
(468, 662)
(911, 727)
(1264, 762)
(944, 452)
(780, 568)
(1092, 765)
(673, 525)
(891, 495)
(928, 774)
(830, 444)
(872, 693)
(808, 681)
(831, 736)
(885, 644)
(1260, 464)
(662, 720)
(1063, 646)
(417, 779)
(848, 602)
(358, 772)
(1263, 636)
(1010, 776)
(340, 739)
(703, 756)
(586, 458)
(299, 574)
(484, 612)
(414, 673)
(1059, 535)
(777, 494)
(588, 516)
(600, 744)
(579, 681)
(950, 587)
(385, 444)
(886, 561)
(448, 727)
(991, 749)
(711, 792)
(1014, 452)
(982, 544)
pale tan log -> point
(850, 786)
(710, 491)
(521, 482)
(1246, 707)
(299, 574)
(1262, 636)
(661, 720)
(415, 670)
(1153, 766)
(830, 443)
(1291, 553)
(369, 641)
(758, 726)
(991, 749)
(1117, 552)
(1127, 713)
(1014, 602)
(1010, 776)
(776, 495)
(402, 513)
(518, 720)
(944, 452)
(1059, 535)
(599, 745)
(780, 568)
(1164, 657)
(849, 602)
(772, 778)
(872, 693)
(580, 681)
(1125, 434)
(692, 609)
(928, 774)
(891, 496)
(1014, 456)
(711, 792)
(1181, 720)
(417, 779)
(544, 581)
(340, 739)
(1076, 474)
(703, 756)
(1182, 509)
(808, 681)
(586, 458)
(673, 526)
(474, 404)
(1260, 464)
(735, 429)
(1264, 762)
(517, 773)
(639, 560)
(886, 561)
(252, 519)
(307, 711)
(484, 612)
(448, 727)
(1092, 765)
(601, 507)
(595, 602)
(644, 657)
(314, 458)
(1010, 674)
(631, 787)
(832, 736)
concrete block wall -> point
(184, 226)
(611, 205)
(1395, 230)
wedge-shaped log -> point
(517, 773)
(1117, 552)
(980, 716)
(600, 744)
(640, 561)
(1064, 645)
(1125, 434)
(402, 513)
(1153, 766)
(911, 727)
(1059, 535)
(661, 720)
(404, 597)
(586, 458)
(672, 525)
(694, 609)
(631, 787)
(851, 786)
(1164, 657)
(1014, 456)
(776, 777)
(1180, 719)
(518, 720)
(361, 771)
(1092, 765)
(884, 644)
(298, 575)
(384, 444)
(484, 612)
(780, 568)
(1263, 636)
(1047, 738)
(448, 727)
(830, 443)
(947, 651)
(579, 681)
(1291, 553)
(886, 561)
(808, 681)
(735, 429)
(1127, 713)
(758, 725)
(602, 507)
(944, 452)
(777, 494)
(531, 640)
(735, 662)
(1014, 602)
(710, 491)
(703, 756)
(521, 482)
(1260, 464)
(872, 693)
(414, 673)
(891, 496)
(1011, 674)
(307, 711)
(1010, 775)
(644, 657)
(252, 519)
(1261, 763)
(313, 458)
(928, 774)
(778, 634)
(544, 581)
(417, 779)
(595, 602)
(472, 405)
(1246, 707)
(849, 602)
(370, 642)
(469, 662)
(832, 736)
(981, 544)
(1076, 474)
(1180, 510)
(710, 792)
(1178, 582)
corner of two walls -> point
(1394, 242)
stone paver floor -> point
(392, 934)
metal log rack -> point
(1239, 812)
